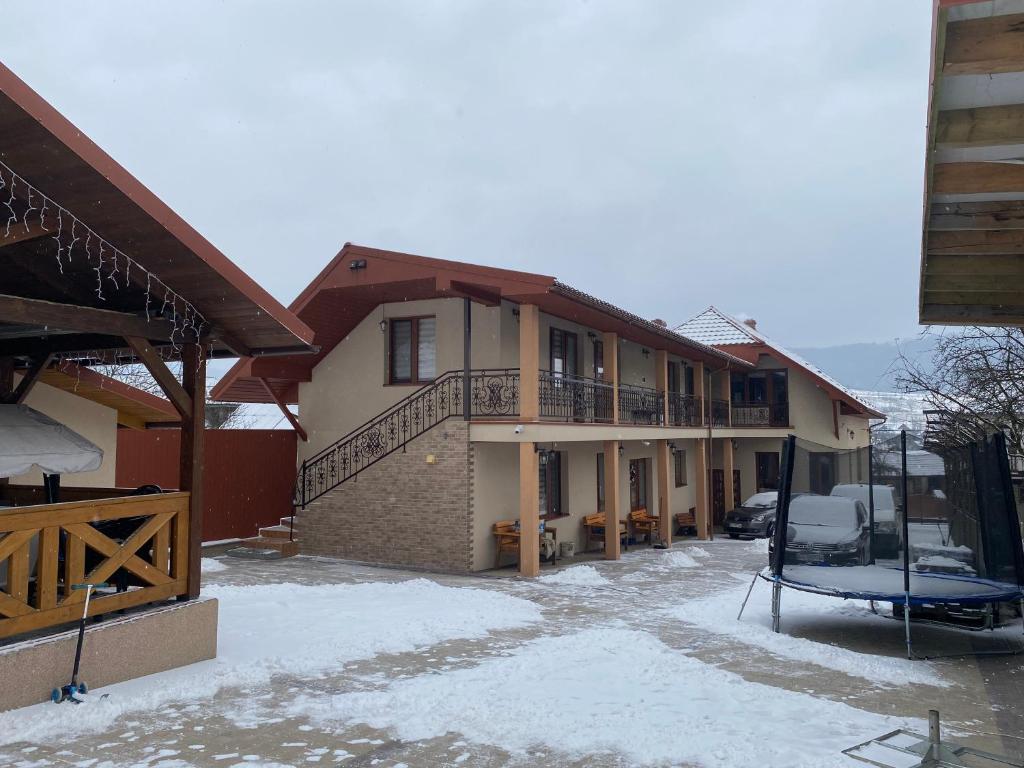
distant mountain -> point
(902, 410)
(869, 366)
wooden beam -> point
(610, 343)
(29, 378)
(977, 178)
(174, 391)
(284, 409)
(665, 484)
(71, 317)
(980, 126)
(1012, 298)
(483, 294)
(702, 501)
(995, 264)
(977, 242)
(974, 216)
(193, 432)
(529, 362)
(612, 514)
(985, 45)
(529, 510)
(21, 232)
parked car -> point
(754, 517)
(828, 530)
(888, 520)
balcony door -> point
(638, 474)
(550, 482)
(767, 471)
(564, 353)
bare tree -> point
(975, 386)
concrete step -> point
(286, 521)
(285, 547)
(276, 532)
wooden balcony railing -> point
(137, 542)
(760, 414)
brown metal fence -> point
(248, 474)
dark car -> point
(755, 517)
(828, 530)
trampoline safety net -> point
(895, 522)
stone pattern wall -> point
(403, 510)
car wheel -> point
(734, 535)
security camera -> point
(519, 429)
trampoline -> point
(940, 539)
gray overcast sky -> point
(763, 157)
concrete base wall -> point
(115, 650)
(411, 508)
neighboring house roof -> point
(135, 408)
(359, 279)
(730, 334)
(919, 463)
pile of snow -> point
(717, 614)
(942, 564)
(569, 693)
(577, 576)
(290, 629)
(209, 565)
(677, 560)
(758, 545)
(698, 552)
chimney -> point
(751, 322)
(659, 321)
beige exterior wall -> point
(93, 421)
(495, 489)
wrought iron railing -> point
(760, 414)
(684, 410)
(575, 398)
(493, 393)
(718, 412)
(640, 405)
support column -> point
(727, 474)
(702, 499)
(529, 362)
(661, 381)
(664, 459)
(193, 381)
(611, 374)
(529, 510)
(611, 498)
(467, 358)
(698, 391)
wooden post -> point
(611, 498)
(698, 391)
(193, 381)
(529, 362)
(664, 492)
(727, 474)
(529, 510)
(661, 379)
(728, 395)
(703, 498)
(611, 374)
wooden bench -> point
(593, 526)
(643, 523)
(687, 522)
(507, 540)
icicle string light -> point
(187, 321)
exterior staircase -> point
(272, 543)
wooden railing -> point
(138, 542)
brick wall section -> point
(402, 510)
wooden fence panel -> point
(248, 474)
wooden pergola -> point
(97, 270)
(972, 272)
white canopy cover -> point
(29, 438)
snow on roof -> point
(716, 328)
(919, 463)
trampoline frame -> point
(777, 560)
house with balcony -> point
(452, 406)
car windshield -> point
(823, 510)
(859, 491)
(765, 500)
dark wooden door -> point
(717, 496)
(737, 497)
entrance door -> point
(823, 472)
(717, 496)
(637, 484)
(737, 497)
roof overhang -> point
(972, 255)
(360, 279)
(57, 160)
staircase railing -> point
(493, 393)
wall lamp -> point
(591, 335)
(357, 264)
(672, 446)
(645, 352)
(622, 449)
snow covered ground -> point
(636, 662)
